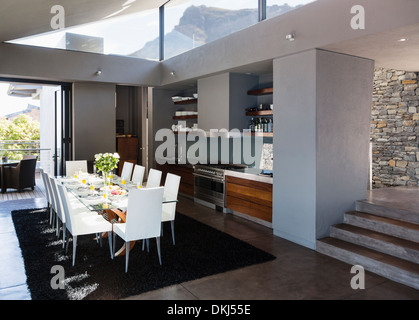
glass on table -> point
(139, 185)
(92, 188)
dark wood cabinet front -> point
(127, 149)
(249, 197)
(185, 173)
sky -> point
(10, 104)
(125, 35)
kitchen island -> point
(249, 194)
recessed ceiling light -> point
(403, 40)
(290, 37)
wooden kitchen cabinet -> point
(186, 176)
(250, 197)
(127, 149)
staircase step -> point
(401, 248)
(397, 228)
(387, 266)
(387, 211)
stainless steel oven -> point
(210, 183)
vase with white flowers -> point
(105, 163)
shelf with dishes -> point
(261, 92)
(185, 100)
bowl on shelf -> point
(195, 95)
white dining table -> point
(113, 208)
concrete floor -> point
(296, 273)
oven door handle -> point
(209, 178)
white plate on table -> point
(72, 185)
(82, 191)
(93, 199)
(67, 179)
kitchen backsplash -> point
(267, 157)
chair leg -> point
(148, 245)
(113, 244)
(143, 244)
(161, 228)
(66, 247)
(64, 234)
(158, 248)
(57, 226)
(74, 249)
(100, 239)
(127, 245)
(50, 213)
(173, 231)
(110, 243)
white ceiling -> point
(22, 18)
(385, 48)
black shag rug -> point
(199, 251)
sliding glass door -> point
(63, 129)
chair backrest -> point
(138, 174)
(29, 156)
(62, 190)
(27, 171)
(45, 179)
(154, 178)
(72, 167)
(57, 199)
(171, 190)
(144, 213)
(127, 170)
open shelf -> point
(260, 113)
(190, 101)
(263, 134)
(185, 117)
(260, 92)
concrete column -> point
(322, 111)
(94, 120)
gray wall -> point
(320, 142)
(93, 119)
(344, 94)
(61, 65)
(213, 102)
(294, 194)
(223, 99)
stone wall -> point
(395, 129)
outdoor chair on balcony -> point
(22, 176)
(29, 156)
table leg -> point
(114, 215)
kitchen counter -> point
(253, 174)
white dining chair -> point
(138, 175)
(154, 178)
(143, 219)
(81, 221)
(127, 170)
(72, 167)
(171, 190)
(60, 216)
(53, 203)
(45, 180)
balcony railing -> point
(16, 149)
